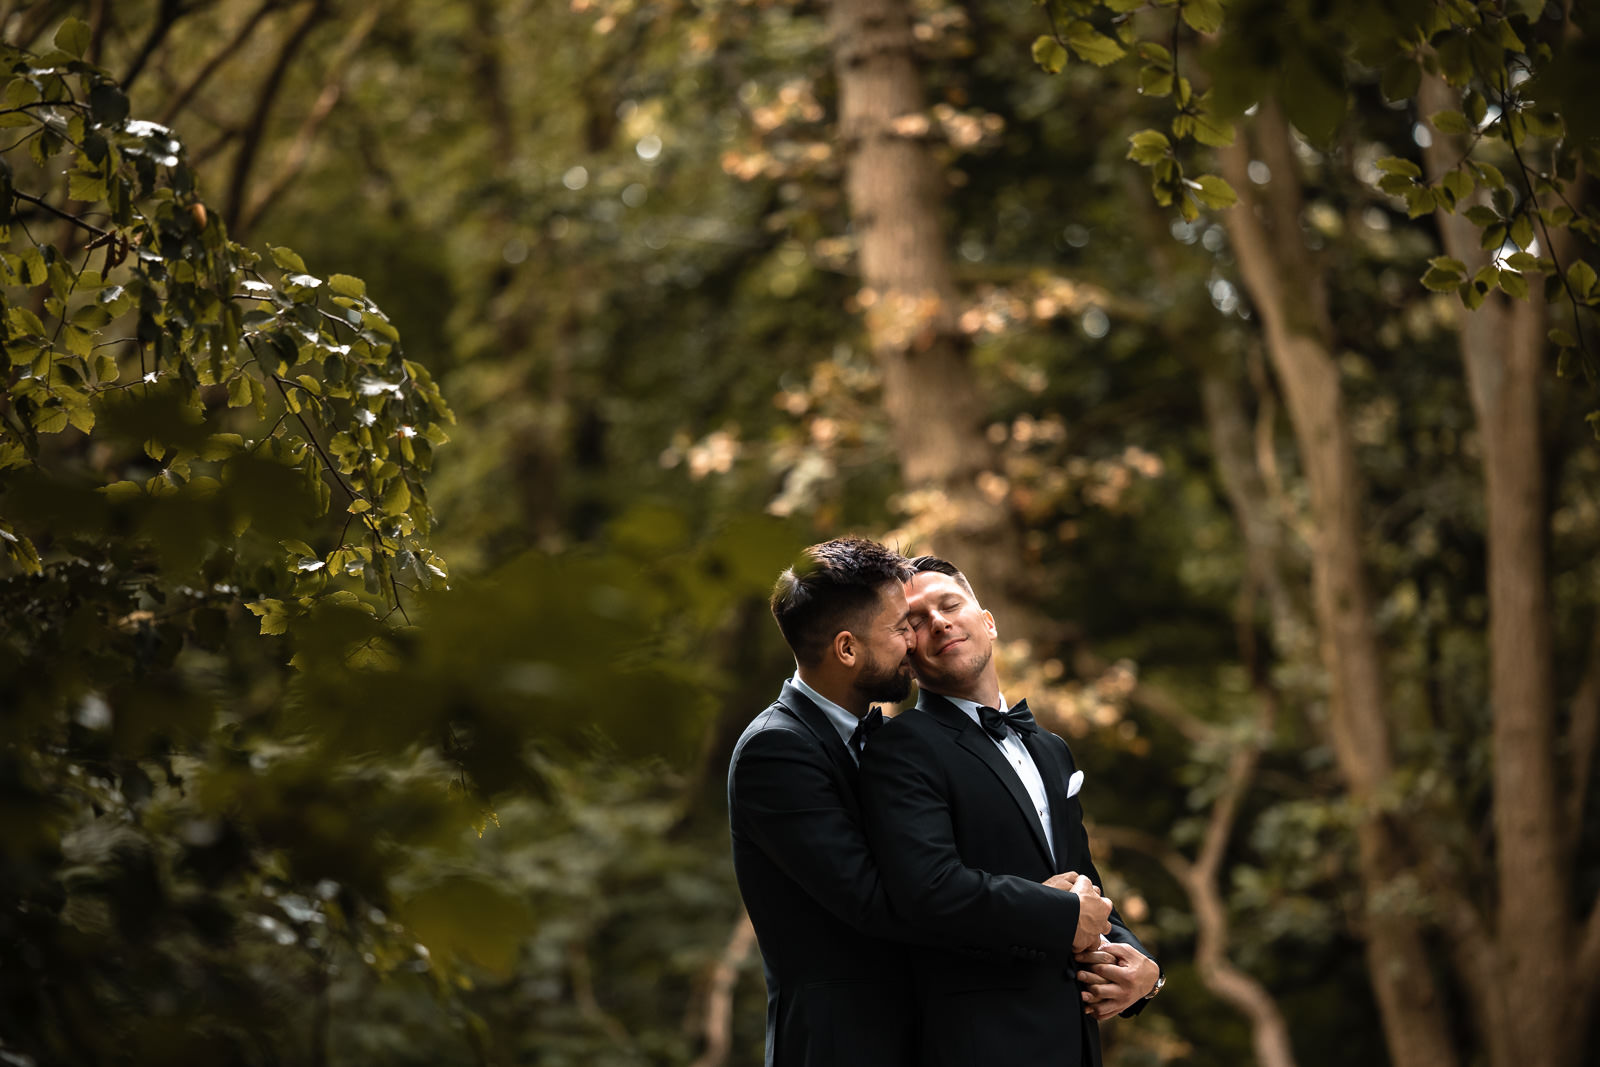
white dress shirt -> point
(841, 719)
(1021, 760)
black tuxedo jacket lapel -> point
(1046, 757)
(816, 720)
(970, 736)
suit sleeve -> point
(913, 836)
(1119, 929)
(787, 800)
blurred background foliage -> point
(273, 794)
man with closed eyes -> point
(965, 797)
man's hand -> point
(1114, 976)
(1063, 881)
(1094, 915)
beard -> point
(884, 685)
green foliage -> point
(1487, 54)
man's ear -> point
(845, 647)
(988, 622)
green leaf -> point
(1214, 192)
(1401, 78)
(1513, 284)
(1396, 165)
(52, 419)
(1451, 122)
(23, 321)
(462, 918)
(239, 391)
(1154, 81)
(1050, 54)
(274, 617)
(1491, 176)
(1092, 45)
(78, 341)
(1523, 262)
(1522, 231)
(396, 497)
(89, 187)
(1458, 183)
(1493, 237)
(1479, 215)
(107, 105)
(1396, 184)
(347, 285)
(221, 445)
(1444, 274)
(1148, 147)
(1314, 98)
(288, 259)
(1581, 277)
(1420, 200)
(73, 37)
(1475, 107)
(1209, 130)
(1154, 54)
(1562, 338)
(1203, 16)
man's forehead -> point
(931, 583)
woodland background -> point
(1287, 510)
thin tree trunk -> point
(1503, 349)
(932, 398)
(1290, 296)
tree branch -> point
(1269, 1031)
(719, 999)
(300, 150)
(212, 65)
(167, 15)
(32, 21)
(266, 97)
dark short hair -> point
(834, 587)
(935, 565)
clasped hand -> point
(1094, 909)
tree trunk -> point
(932, 398)
(1502, 349)
(1290, 296)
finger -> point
(1094, 956)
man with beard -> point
(960, 791)
(838, 992)
(838, 984)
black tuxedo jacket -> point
(961, 849)
(838, 990)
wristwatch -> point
(1161, 980)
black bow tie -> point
(866, 728)
(1018, 718)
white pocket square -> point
(1074, 784)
